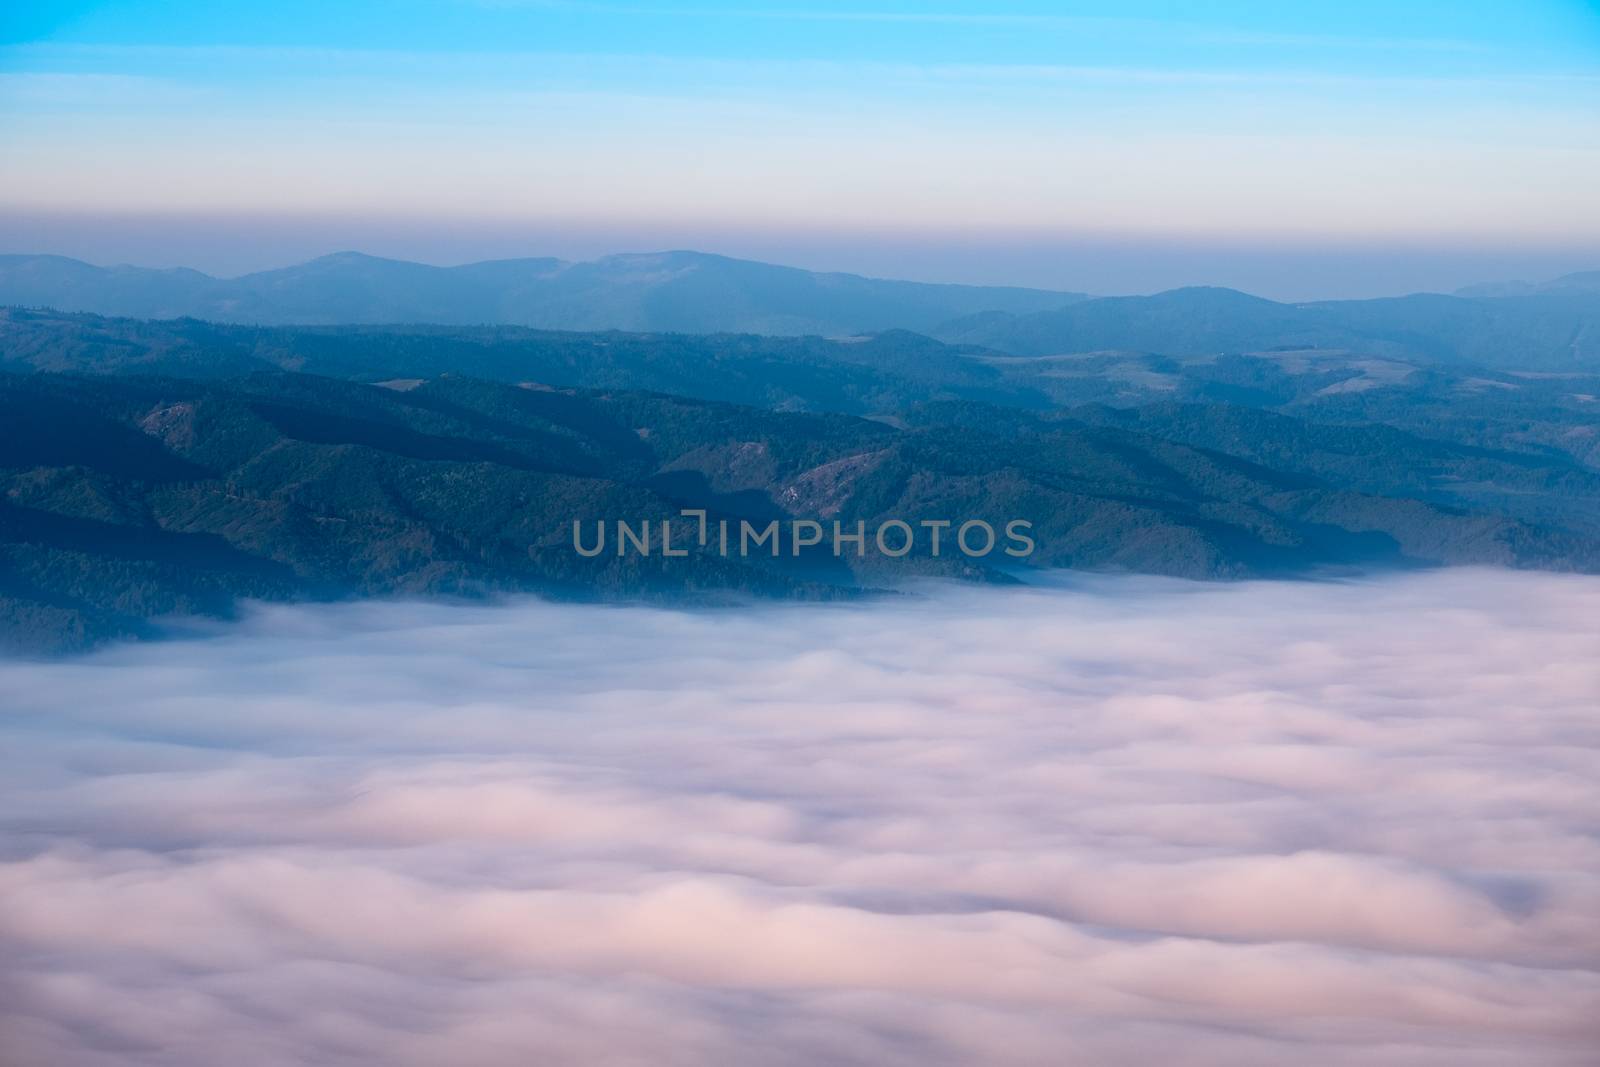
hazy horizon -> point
(1298, 152)
(1087, 267)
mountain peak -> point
(351, 258)
(1210, 294)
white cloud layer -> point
(1117, 822)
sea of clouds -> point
(1112, 821)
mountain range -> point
(683, 292)
(1551, 326)
(157, 467)
(358, 426)
(131, 497)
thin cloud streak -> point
(41, 61)
(1145, 27)
(1330, 823)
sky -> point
(1309, 149)
(1348, 824)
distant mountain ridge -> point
(680, 292)
(1551, 326)
(1551, 329)
(1586, 281)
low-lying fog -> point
(1122, 821)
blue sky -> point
(1023, 142)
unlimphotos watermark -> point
(974, 538)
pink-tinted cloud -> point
(1106, 822)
